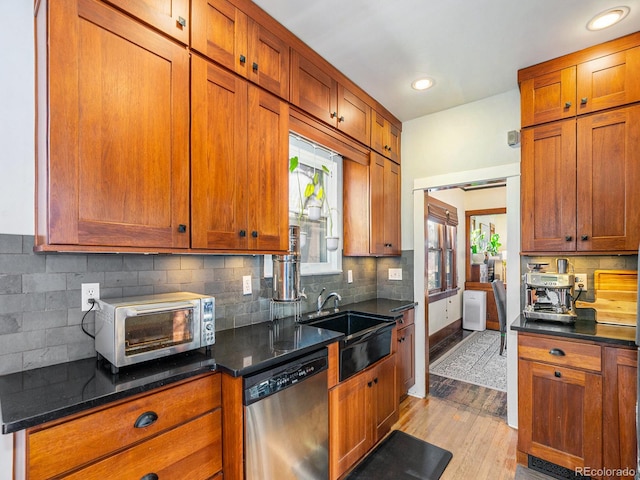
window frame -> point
(445, 216)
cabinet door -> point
(406, 359)
(620, 387)
(384, 388)
(219, 190)
(354, 115)
(268, 61)
(609, 81)
(548, 186)
(118, 171)
(168, 16)
(350, 428)
(392, 208)
(608, 177)
(548, 97)
(313, 90)
(268, 172)
(385, 137)
(560, 414)
(219, 31)
(355, 198)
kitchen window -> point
(442, 225)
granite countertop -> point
(37, 396)
(583, 329)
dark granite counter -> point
(37, 396)
(582, 329)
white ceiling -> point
(471, 48)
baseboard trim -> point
(445, 332)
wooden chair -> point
(501, 304)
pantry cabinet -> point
(239, 138)
(579, 182)
(362, 410)
(170, 17)
(141, 437)
(385, 137)
(230, 37)
(112, 131)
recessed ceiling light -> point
(422, 84)
(607, 18)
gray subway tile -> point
(233, 261)
(11, 363)
(191, 262)
(104, 263)
(10, 323)
(10, 243)
(22, 263)
(63, 263)
(43, 282)
(166, 262)
(75, 280)
(179, 276)
(120, 279)
(21, 342)
(137, 262)
(214, 261)
(10, 284)
(44, 356)
(153, 277)
(32, 321)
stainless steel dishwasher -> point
(286, 421)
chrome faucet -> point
(321, 303)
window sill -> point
(434, 297)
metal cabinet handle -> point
(583, 101)
(568, 238)
(255, 67)
(375, 380)
(243, 59)
(150, 476)
(182, 21)
(584, 237)
(557, 352)
(182, 228)
(243, 233)
(557, 374)
(341, 119)
(567, 104)
(369, 384)
(146, 419)
(254, 234)
(334, 114)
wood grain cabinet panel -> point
(64, 446)
(313, 89)
(168, 16)
(385, 137)
(384, 176)
(239, 165)
(354, 115)
(112, 131)
(230, 37)
(548, 97)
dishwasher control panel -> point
(279, 378)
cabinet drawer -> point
(62, 447)
(408, 318)
(560, 352)
(192, 451)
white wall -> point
(17, 157)
(468, 137)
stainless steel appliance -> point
(549, 296)
(286, 270)
(286, 421)
(136, 329)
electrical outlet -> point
(580, 279)
(89, 291)
(246, 285)
(349, 276)
(395, 274)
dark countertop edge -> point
(557, 330)
(11, 427)
(241, 372)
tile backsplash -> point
(40, 293)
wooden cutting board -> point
(615, 296)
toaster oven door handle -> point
(166, 307)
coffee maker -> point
(549, 296)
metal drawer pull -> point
(182, 21)
(369, 384)
(557, 352)
(557, 374)
(150, 476)
(146, 419)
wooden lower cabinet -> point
(576, 403)
(362, 410)
(180, 437)
(406, 352)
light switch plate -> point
(395, 274)
(349, 276)
(246, 285)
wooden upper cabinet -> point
(548, 97)
(169, 16)
(239, 163)
(112, 131)
(608, 212)
(354, 115)
(231, 38)
(313, 89)
(548, 201)
(609, 81)
(590, 80)
(355, 200)
(385, 137)
(384, 189)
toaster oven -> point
(136, 329)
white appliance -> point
(474, 311)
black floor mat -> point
(401, 456)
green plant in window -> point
(477, 241)
(494, 244)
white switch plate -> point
(246, 285)
(395, 274)
(349, 276)
(89, 290)
(579, 279)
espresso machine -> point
(549, 296)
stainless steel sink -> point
(367, 339)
